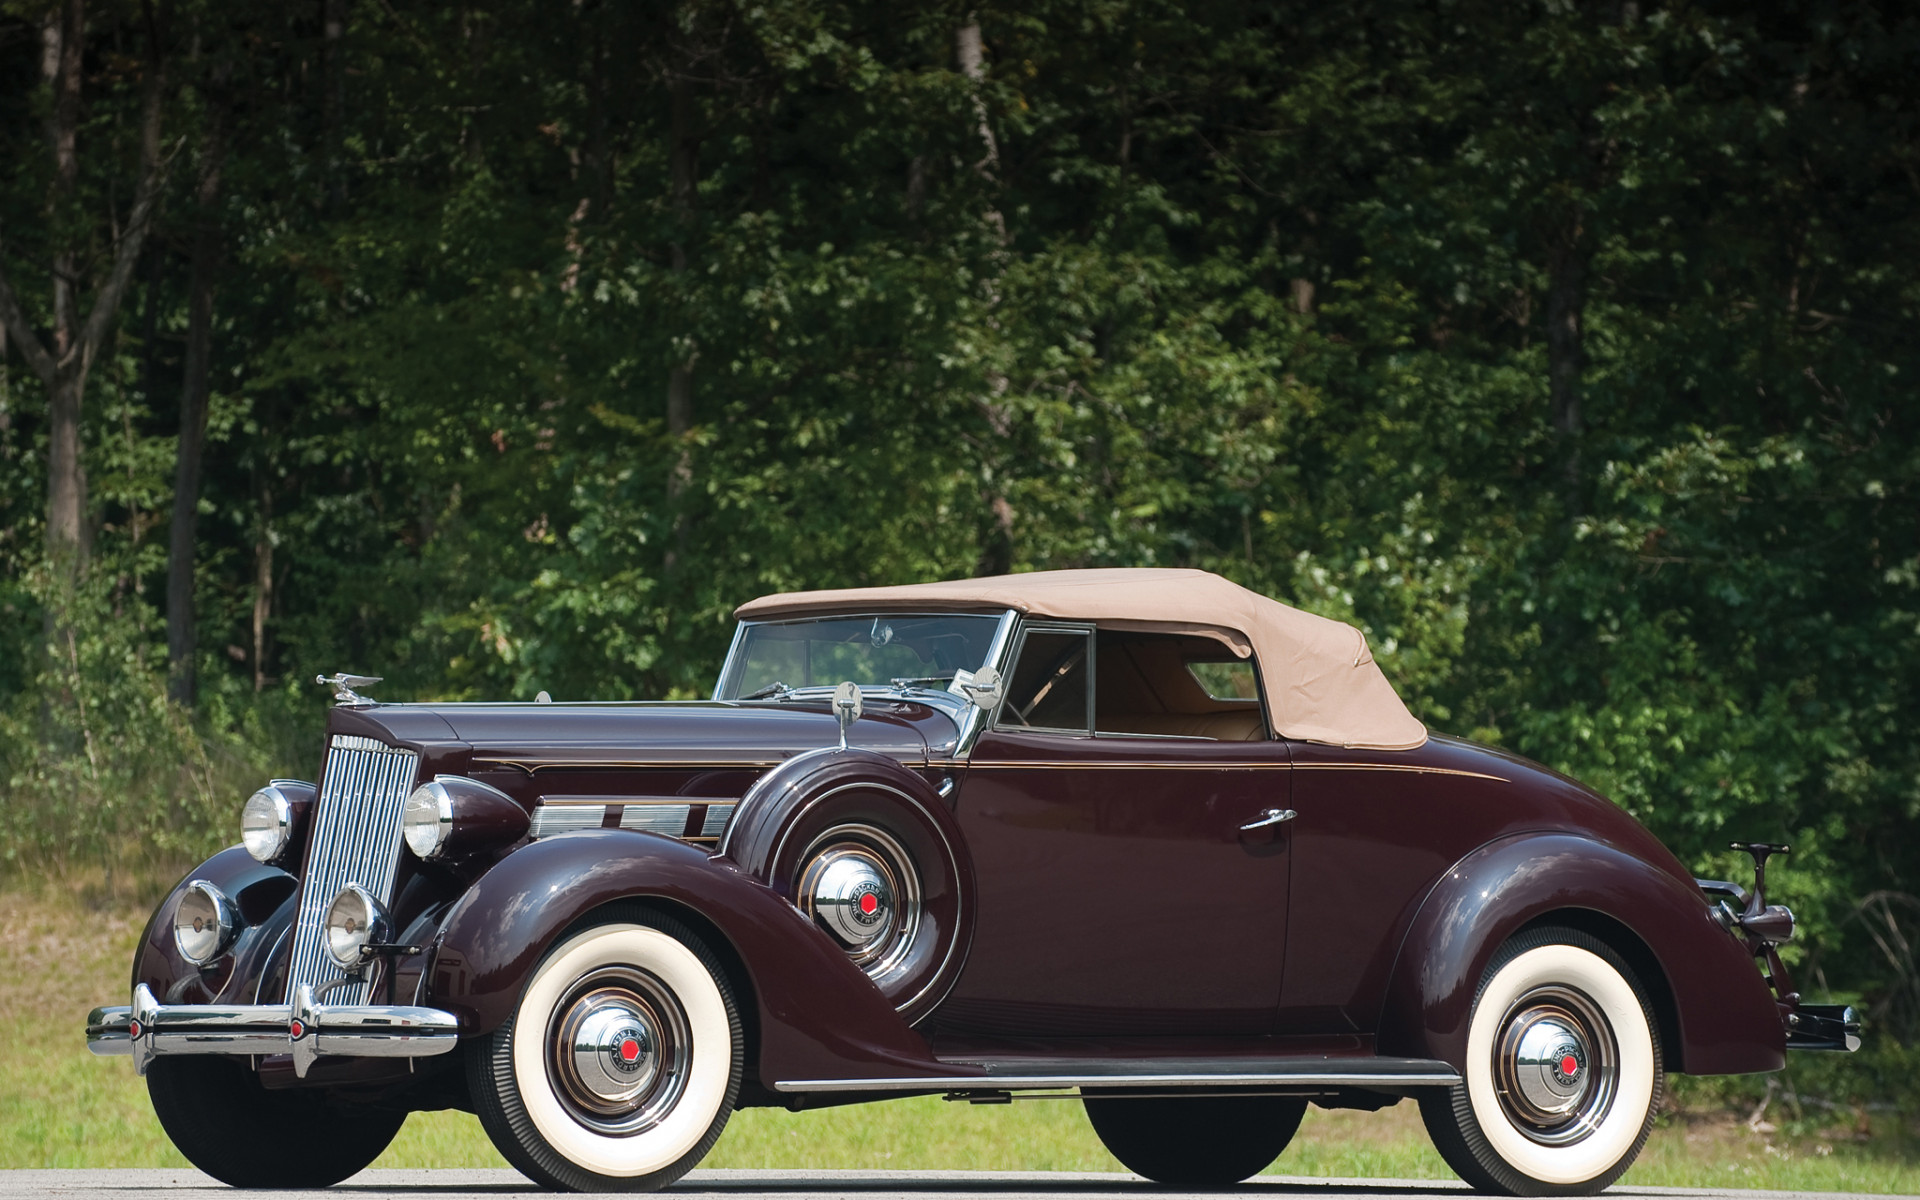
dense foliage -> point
(1566, 349)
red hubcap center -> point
(629, 1050)
(869, 904)
(1569, 1065)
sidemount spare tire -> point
(871, 854)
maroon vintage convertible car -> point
(1139, 835)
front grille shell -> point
(355, 839)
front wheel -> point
(621, 1063)
(1563, 1072)
(1199, 1141)
(225, 1123)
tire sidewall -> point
(1517, 1163)
(541, 1137)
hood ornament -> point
(343, 685)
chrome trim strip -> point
(905, 757)
(1128, 764)
(1408, 768)
(1011, 1083)
(352, 1031)
(1141, 764)
(603, 801)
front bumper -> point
(147, 1029)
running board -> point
(1034, 1074)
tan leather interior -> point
(1142, 685)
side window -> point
(1176, 685)
(1052, 686)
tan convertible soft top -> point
(1320, 680)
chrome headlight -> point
(266, 823)
(427, 819)
(355, 922)
(203, 923)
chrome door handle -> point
(1270, 819)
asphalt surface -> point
(780, 1185)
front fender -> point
(263, 896)
(1724, 1017)
(819, 1017)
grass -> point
(67, 949)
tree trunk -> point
(66, 479)
(683, 165)
(207, 254)
(262, 585)
(333, 70)
(62, 42)
(996, 550)
(64, 358)
(1566, 349)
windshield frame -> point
(997, 648)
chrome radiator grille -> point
(355, 839)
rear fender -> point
(818, 1016)
(1724, 1016)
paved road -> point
(777, 1185)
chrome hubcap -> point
(852, 895)
(618, 1051)
(1555, 1066)
(859, 885)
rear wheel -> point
(1203, 1140)
(621, 1063)
(1563, 1075)
(240, 1133)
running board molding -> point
(1017, 1075)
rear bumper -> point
(1823, 1027)
(147, 1029)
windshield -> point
(877, 651)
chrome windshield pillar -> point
(973, 720)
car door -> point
(1117, 892)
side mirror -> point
(847, 707)
(982, 687)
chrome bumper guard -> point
(1823, 1027)
(148, 1029)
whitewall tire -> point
(1563, 1073)
(621, 1063)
